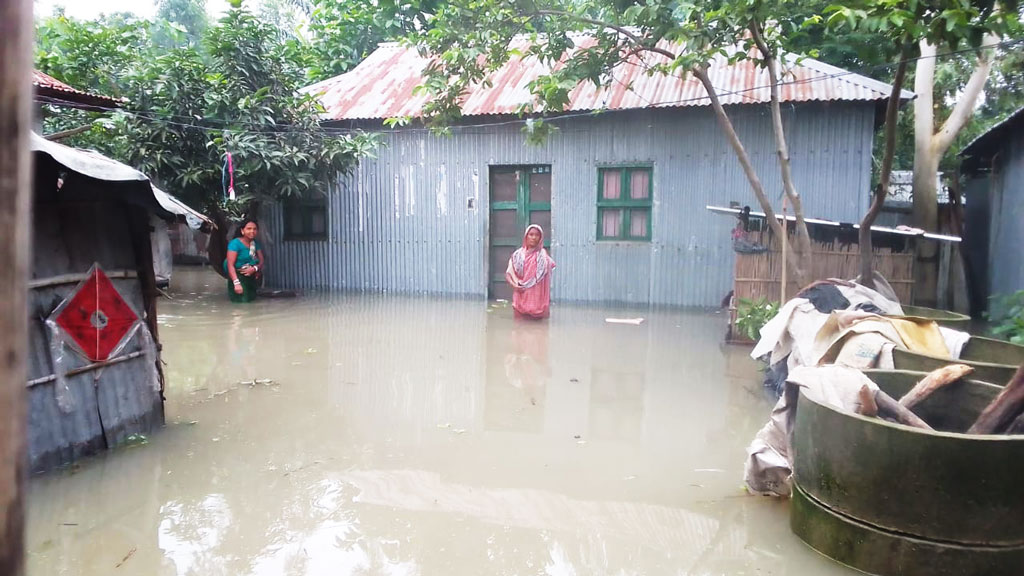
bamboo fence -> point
(760, 275)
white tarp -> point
(95, 165)
(163, 255)
(193, 218)
(87, 162)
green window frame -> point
(305, 220)
(621, 215)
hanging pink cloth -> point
(529, 274)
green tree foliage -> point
(909, 28)
(186, 19)
(188, 109)
(873, 30)
(236, 91)
(1008, 314)
(94, 56)
(344, 32)
(91, 55)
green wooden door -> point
(519, 196)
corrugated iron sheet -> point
(401, 222)
(47, 85)
(382, 85)
(125, 399)
(1006, 234)
(188, 246)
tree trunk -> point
(217, 248)
(796, 267)
(867, 269)
(929, 148)
(926, 217)
(803, 238)
(15, 224)
(926, 164)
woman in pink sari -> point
(529, 274)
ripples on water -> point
(353, 434)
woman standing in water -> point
(529, 274)
(244, 262)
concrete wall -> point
(402, 223)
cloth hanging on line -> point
(227, 177)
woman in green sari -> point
(244, 262)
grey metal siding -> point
(400, 222)
(1006, 264)
(108, 405)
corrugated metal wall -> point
(1006, 267)
(188, 246)
(109, 405)
(401, 222)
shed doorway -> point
(519, 196)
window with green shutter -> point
(624, 203)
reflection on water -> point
(346, 434)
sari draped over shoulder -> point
(246, 256)
(533, 268)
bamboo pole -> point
(785, 240)
(75, 278)
(15, 214)
(87, 368)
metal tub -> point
(898, 501)
(945, 318)
(994, 361)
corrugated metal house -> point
(620, 188)
(994, 162)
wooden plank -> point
(15, 221)
(76, 277)
(1004, 409)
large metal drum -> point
(885, 498)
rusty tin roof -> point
(382, 85)
(60, 93)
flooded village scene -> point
(474, 287)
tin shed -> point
(90, 212)
(994, 163)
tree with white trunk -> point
(931, 144)
(903, 25)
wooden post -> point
(139, 222)
(15, 198)
(785, 246)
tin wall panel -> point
(107, 406)
(1006, 272)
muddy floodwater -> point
(341, 434)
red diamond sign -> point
(96, 317)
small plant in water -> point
(1008, 316)
(136, 440)
(752, 315)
